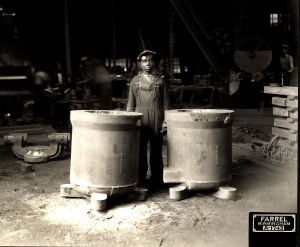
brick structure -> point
(285, 130)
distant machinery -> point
(16, 82)
(7, 23)
(252, 56)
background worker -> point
(148, 94)
(286, 65)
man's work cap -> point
(146, 54)
(285, 46)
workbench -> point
(74, 104)
(192, 90)
(178, 92)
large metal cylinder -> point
(199, 147)
(105, 151)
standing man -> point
(148, 94)
(101, 86)
(286, 65)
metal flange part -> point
(37, 154)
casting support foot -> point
(98, 200)
(179, 192)
(138, 194)
(225, 192)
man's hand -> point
(164, 128)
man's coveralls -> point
(149, 95)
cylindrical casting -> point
(105, 151)
(199, 147)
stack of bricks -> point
(285, 111)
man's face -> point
(284, 50)
(146, 63)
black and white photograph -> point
(149, 123)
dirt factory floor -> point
(33, 213)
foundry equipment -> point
(15, 87)
(104, 157)
(199, 149)
(37, 153)
(251, 55)
(16, 82)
